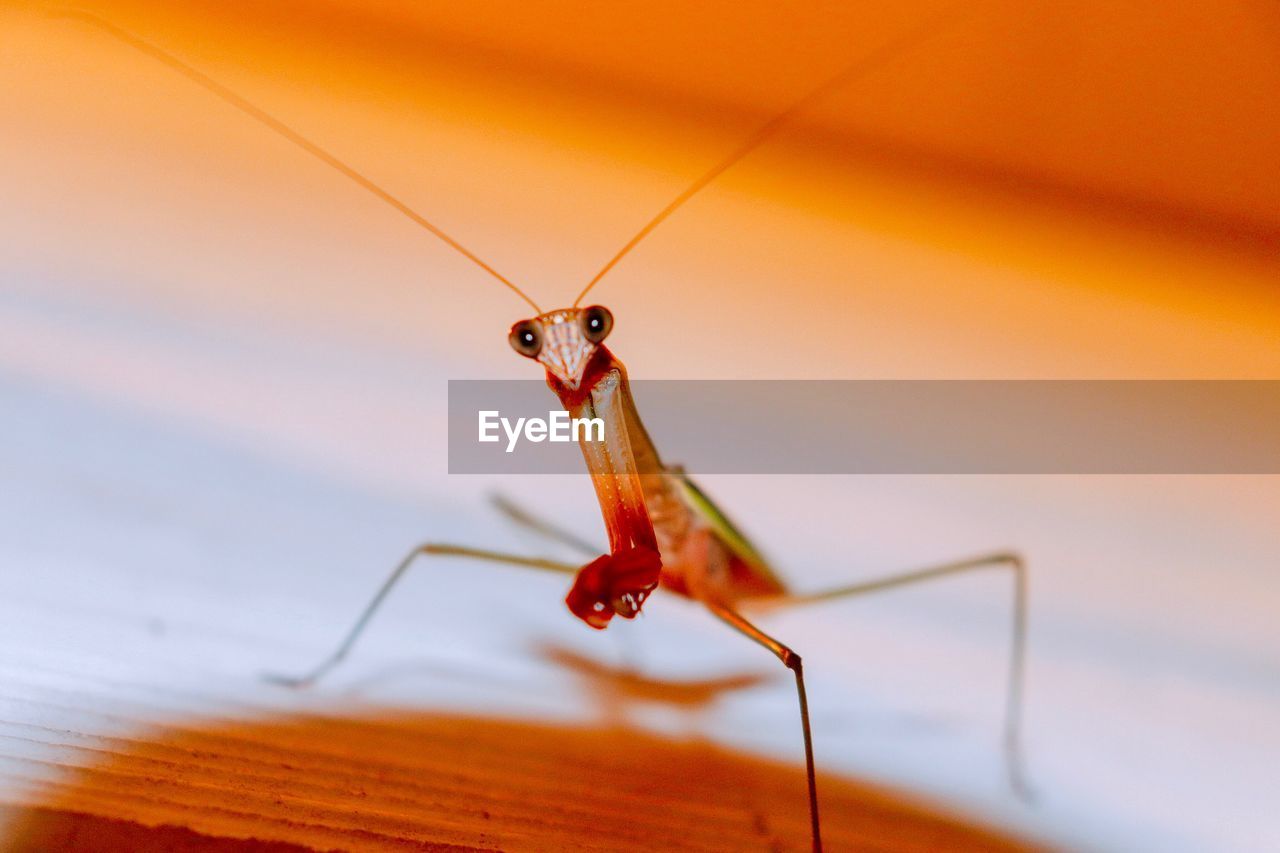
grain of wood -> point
(408, 781)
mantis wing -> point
(750, 572)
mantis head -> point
(563, 341)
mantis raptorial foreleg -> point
(549, 530)
(428, 549)
(1017, 645)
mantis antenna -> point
(860, 68)
(248, 108)
(863, 66)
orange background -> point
(1092, 188)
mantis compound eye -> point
(597, 322)
(526, 338)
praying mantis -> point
(664, 532)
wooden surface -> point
(439, 782)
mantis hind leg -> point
(1017, 646)
(428, 549)
(791, 661)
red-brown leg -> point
(792, 662)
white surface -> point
(231, 518)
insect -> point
(663, 531)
